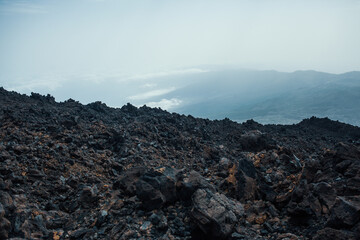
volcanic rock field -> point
(74, 171)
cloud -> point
(149, 85)
(94, 0)
(21, 7)
(35, 86)
(36, 83)
(165, 104)
(150, 94)
(166, 73)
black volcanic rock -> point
(345, 212)
(73, 171)
(215, 214)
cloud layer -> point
(166, 104)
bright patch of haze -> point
(141, 51)
(153, 93)
(165, 103)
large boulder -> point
(88, 197)
(150, 197)
(255, 141)
(215, 214)
(153, 187)
(330, 233)
(127, 180)
(188, 184)
(5, 227)
(325, 193)
(346, 212)
(162, 179)
(241, 181)
(347, 151)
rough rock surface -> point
(73, 171)
(215, 214)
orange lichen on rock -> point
(231, 178)
(56, 236)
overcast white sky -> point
(131, 37)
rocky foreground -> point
(73, 171)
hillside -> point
(268, 97)
(271, 97)
(74, 171)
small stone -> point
(88, 197)
(236, 235)
(5, 227)
(2, 211)
(62, 179)
(287, 236)
(79, 233)
(154, 218)
(103, 213)
(145, 226)
(330, 233)
(163, 224)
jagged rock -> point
(325, 193)
(256, 141)
(356, 230)
(215, 214)
(6, 200)
(151, 197)
(127, 180)
(247, 167)
(5, 227)
(79, 233)
(240, 182)
(330, 233)
(153, 188)
(154, 219)
(164, 183)
(190, 183)
(287, 236)
(88, 197)
(2, 211)
(346, 151)
(145, 226)
(345, 212)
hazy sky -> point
(131, 37)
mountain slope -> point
(73, 171)
(266, 96)
(273, 97)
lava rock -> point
(127, 180)
(190, 183)
(330, 233)
(325, 193)
(151, 198)
(5, 227)
(73, 171)
(346, 212)
(256, 141)
(88, 197)
(165, 184)
(215, 214)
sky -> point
(44, 43)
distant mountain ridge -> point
(206, 91)
(274, 97)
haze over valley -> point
(273, 61)
(265, 96)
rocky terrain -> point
(73, 171)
